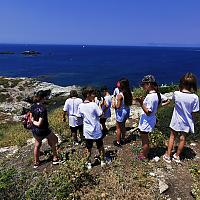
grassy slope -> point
(125, 178)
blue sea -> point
(99, 65)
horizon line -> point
(117, 45)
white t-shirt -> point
(108, 100)
(90, 113)
(116, 92)
(185, 105)
(148, 122)
(71, 107)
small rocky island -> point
(30, 52)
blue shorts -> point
(122, 114)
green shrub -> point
(168, 88)
(13, 134)
(138, 92)
(164, 116)
(156, 138)
(4, 97)
(56, 123)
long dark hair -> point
(125, 89)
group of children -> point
(88, 116)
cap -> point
(148, 79)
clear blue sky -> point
(112, 22)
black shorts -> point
(41, 133)
(76, 128)
(89, 143)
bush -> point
(164, 116)
(13, 134)
(167, 89)
(138, 92)
(156, 138)
(56, 123)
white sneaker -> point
(89, 165)
(75, 143)
(176, 159)
(103, 164)
(166, 159)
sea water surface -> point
(99, 65)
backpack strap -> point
(159, 98)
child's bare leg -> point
(171, 142)
(145, 144)
(181, 144)
(52, 141)
(37, 146)
(123, 130)
(74, 136)
(118, 130)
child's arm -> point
(117, 104)
(37, 123)
(144, 108)
(165, 103)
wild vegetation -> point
(125, 178)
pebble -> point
(152, 174)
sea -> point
(83, 65)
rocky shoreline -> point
(14, 93)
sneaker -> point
(103, 164)
(176, 159)
(75, 143)
(166, 159)
(117, 144)
(89, 165)
(97, 160)
(36, 165)
(56, 162)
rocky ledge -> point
(14, 93)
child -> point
(91, 113)
(40, 129)
(186, 105)
(149, 106)
(116, 90)
(122, 103)
(106, 104)
(71, 108)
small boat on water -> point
(30, 52)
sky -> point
(100, 22)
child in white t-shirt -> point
(105, 105)
(90, 112)
(71, 108)
(149, 106)
(186, 105)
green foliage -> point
(9, 82)
(6, 176)
(13, 134)
(56, 123)
(156, 138)
(164, 116)
(195, 173)
(138, 92)
(168, 88)
(4, 97)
